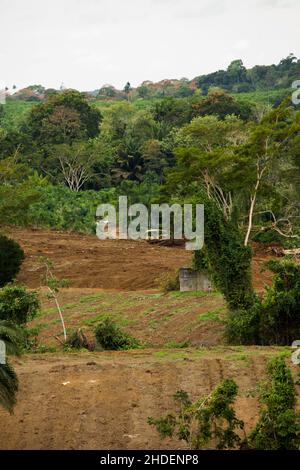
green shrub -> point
(278, 427)
(242, 326)
(280, 319)
(11, 258)
(17, 305)
(109, 336)
(207, 422)
(268, 237)
(275, 319)
(60, 208)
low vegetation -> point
(110, 336)
(274, 319)
(11, 258)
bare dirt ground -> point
(103, 400)
(87, 261)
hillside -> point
(120, 279)
(274, 79)
(103, 400)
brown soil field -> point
(87, 261)
(103, 400)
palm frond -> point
(12, 336)
(8, 387)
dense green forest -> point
(233, 134)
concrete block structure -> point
(191, 280)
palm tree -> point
(9, 384)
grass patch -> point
(174, 345)
(95, 319)
(212, 315)
(153, 324)
(160, 354)
(91, 298)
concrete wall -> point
(191, 280)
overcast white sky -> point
(87, 43)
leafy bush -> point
(278, 427)
(17, 305)
(11, 258)
(268, 237)
(242, 326)
(59, 207)
(209, 420)
(274, 319)
(109, 336)
(169, 281)
(280, 319)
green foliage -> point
(238, 79)
(109, 336)
(9, 386)
(278, 427)
(242, 326)
(11, 258)
(228, 259)
(171, 112)
(15, 200)
(63, 118)
(200, 260)
(275, 318)
(210, 421)
(14, 114)
(280, 321)
(268, 237)
(222, 104)
(17, 305)
(59, 207)
(12, 337)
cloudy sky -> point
(88, 43)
